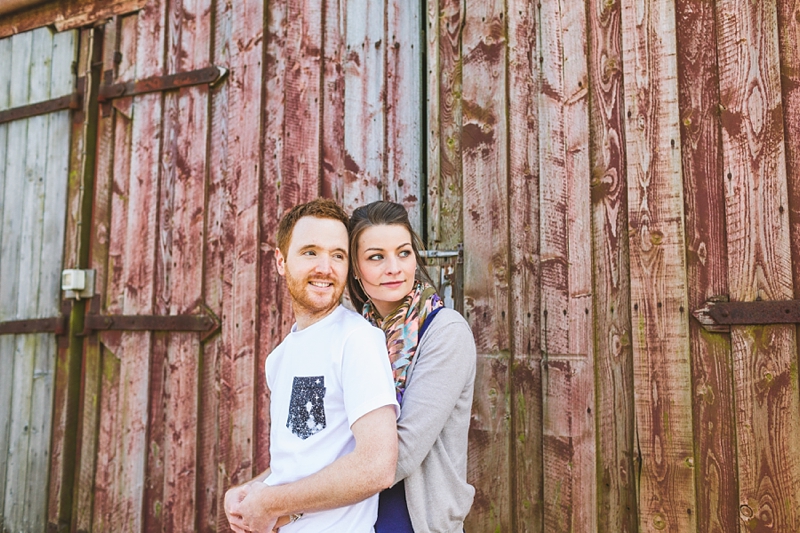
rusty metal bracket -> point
(56, 324)
(71, 101)
(719, 315)
(209, 75)
(206, 323)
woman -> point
(432, 352)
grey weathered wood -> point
(363, 105)
(10, 250)
(23, 503)
(49, 269)
(6, 310)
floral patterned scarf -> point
(402, 328)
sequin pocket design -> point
(307, 406)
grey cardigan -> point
(434, 424)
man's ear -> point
(280, 262)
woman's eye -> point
(405, 253)
(375, 257)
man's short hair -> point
(318, 208)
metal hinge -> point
(718, 314)
(206, 323)
(72, 101)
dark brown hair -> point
(318, 208)
(378, 214)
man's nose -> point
(323, 264)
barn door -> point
(34, 158)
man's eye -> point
(309, 252)
(339, 256)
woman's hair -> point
(379, 214)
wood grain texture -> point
(25, 503)
(432, 125)
(239, 369)
(526, 461)
(707, 262)
(364, 106)
(789, 48)
(486, 268)
(446, 212)
(403, 150)
(765, 357)
(331, 118)
(51, 240)
(566, 263)
(134, 281)
(9, 135)
(616, 495)
(213, 418)
(662, 370)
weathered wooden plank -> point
(486, 268)
(526, 463)
(662, 370)
(332, 110)
(759, 265)
(614, 363)
(88, 419)
(101, 394)
(403, 148)
(567, 335)
(51, 239)
(364, 106)
(65, 423)
(6, 311)
(789, 33)
(212, 480)
(240, 275)
(432, 120)
(186, 131)
(124, 509)
(66, 15)
(288, 71)
(25, 506)
(714, 414)
(445, 187)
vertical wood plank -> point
(213, 418)
(239, 368)
(714, 408)
(526, 463)
(332, 109)
(568, 380)
(51, 239)
(403, 149)
(364, 112)
(88, 452)
(445, 196)
(486, 268)
(115, 150)
(432, 124)
(662, 372)
(614, 361)
(765, 357)
(25, 505)
(179, 265)
(9, 135)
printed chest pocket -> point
(307, 406)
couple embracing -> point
(369, 411)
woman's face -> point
(386, 265)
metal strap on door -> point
(718, 314)
(209, 75)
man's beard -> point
(303, 301)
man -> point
(333, 410)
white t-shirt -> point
(322, 379)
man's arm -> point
(365, 471)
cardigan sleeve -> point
(443, 371)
